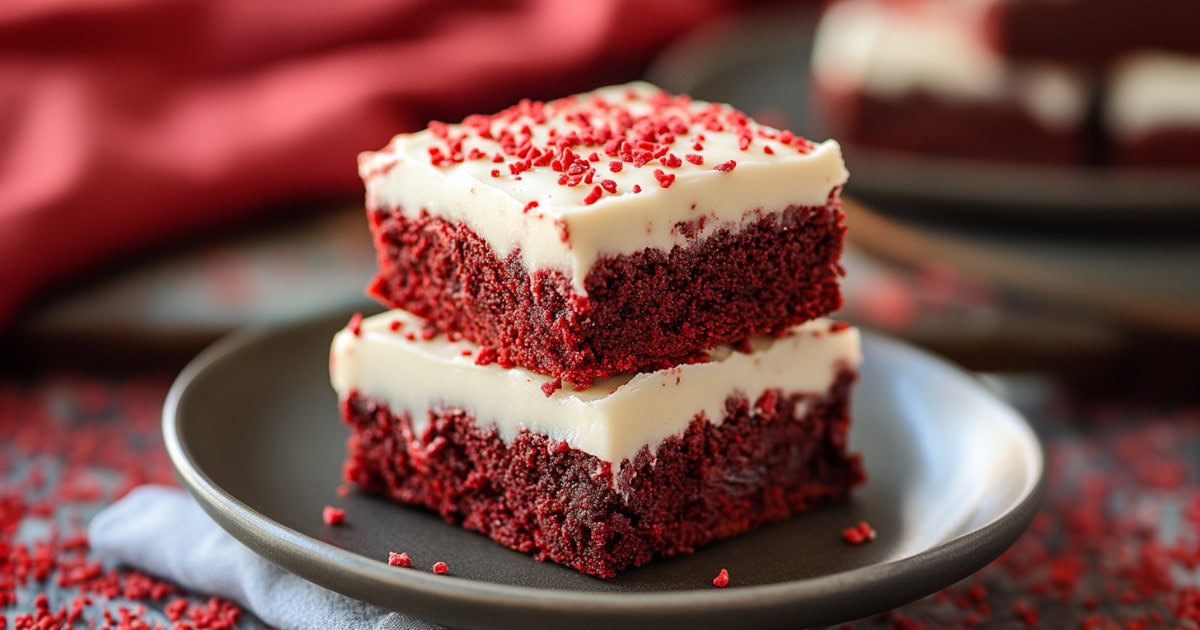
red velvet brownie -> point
(606, 232)
(1152, 110)
(609, 477)
(917, 76)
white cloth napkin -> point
(162, 531)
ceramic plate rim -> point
(311, 558)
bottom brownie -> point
(769, 458)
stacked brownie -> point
(607, 339)
(1082, 82)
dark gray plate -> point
(761, 65)
(955, 477)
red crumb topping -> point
(858, 534)
(722, 579)
(578, 133)
(726, 167)
(399, 559)
(333, 515)
(530, 206)
(549, 388)
(355, 324)
(441, 568)
(838, 327)
(395, 325)
(664, 179)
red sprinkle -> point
(664, 179)
(858, 534)
(355, 324)
(722, 579)
(399, 559)
(395, 325)
(615, 166)
(725, 167)
(441, 568)
(333, 516)
(694, 158)
(593, 196)
(637, 188)
(530, 206)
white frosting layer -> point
(566, 233)
(1152, 91)
(614, 418)
(891, 50)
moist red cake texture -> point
(643, 310)
(762, 463)
(921, 123)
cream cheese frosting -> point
(893, 50)
(508, 179)
(1153, 90)
(614, 418)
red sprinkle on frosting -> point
(664, 179)
(399, 559)
(549, 388)
(726, 167)
(441, 568)
(487, 356)
(573, 135)
(355, 324)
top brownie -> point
(607, 232)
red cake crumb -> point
(333, 515)
(487, 356)
(441, 568)
(399, 559)
(726, 167)
(550, 387)
(858, 534)
(722, 579)
(540, 496)
(395, 325)
(355, 324)
(537, 321)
